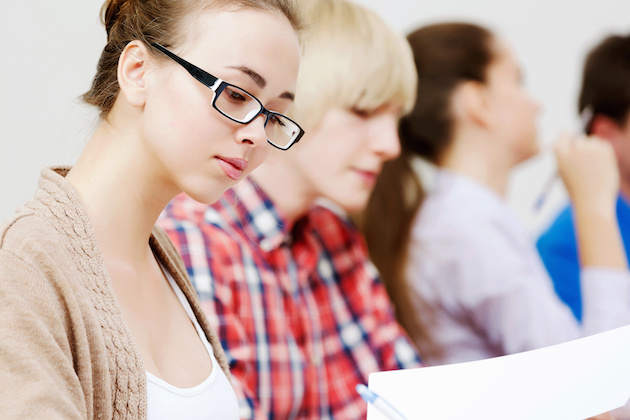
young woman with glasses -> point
(99, 317)
(299, 308)
(461, 269)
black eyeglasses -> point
(241, 106)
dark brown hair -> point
(160, 21)
(606, 79)
(445, 55)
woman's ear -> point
(471, 103)
(132, 69)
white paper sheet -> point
(569, 381)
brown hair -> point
(606, 79)
(445, 55)
(160, 21)
(386, 223)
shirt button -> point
(265, 245)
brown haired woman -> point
(461, 269)
(99, 317)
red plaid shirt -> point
(302, 315)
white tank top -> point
(213, 399)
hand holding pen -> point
(591, 176)
(589, 172)
(586, 117)
(379, 403)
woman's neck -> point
(283, 182)
(484, 163)
(121, 198)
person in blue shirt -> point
(606, 89)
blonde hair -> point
(352, 59)
(161, 21)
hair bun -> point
(111, 12)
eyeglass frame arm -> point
(215, 84)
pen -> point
(379, 403)
(585, 118)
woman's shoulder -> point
(32, 256)
(33, 246)
(26, 232)
(46, 222)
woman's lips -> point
(233, 167)
(368, 177)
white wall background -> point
(50, 50)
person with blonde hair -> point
(100, 320)
(299, 308)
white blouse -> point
(214, 398)
(472, 261)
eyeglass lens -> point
(241, 106)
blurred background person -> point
(464, 276)
(606, 90)
(300, 310)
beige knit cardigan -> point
(65, 349)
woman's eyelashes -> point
(360, 112)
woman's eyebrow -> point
(257, 78)
(260, 81)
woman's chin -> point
(206, 197)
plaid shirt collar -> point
(258, 216)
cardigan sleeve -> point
(37, 378)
